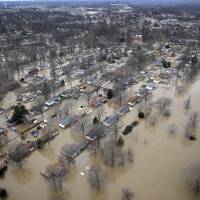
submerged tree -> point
(187, 104)
(163, 104)
(82, 125)
(116, 128)
(130, 154)
(193, 179)
(3, 193)
(45, 89)
(111, 153)
(66, 154)
(16, 153)
(96, 177)
(172, 128)
(127, 194)
(56, 173)
(192, 125)
(39, 107)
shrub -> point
(120, 141)
(109, 94)
(62, 82)
(95, 120)
(19, 113)
(141, 115)
(3, 193)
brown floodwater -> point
(158, 170)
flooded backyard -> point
(157, 172)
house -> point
(67, 121)
(82, 111)
(86, 88)
(143, 92)
(112, 119)
(59, 169)
(123, 110)
(70, 93)
(133, 100)
(11, 122)
(74, 150)
(27, 148)
(33, 72)
(52, 101)
(97, 101)
(46, 137)
(151, 86)
(37, 82)
(95, 132)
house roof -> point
(93, 133)
(110, 120)
(67, 120)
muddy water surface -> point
(158, 170)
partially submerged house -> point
(123, 110)
(82, 111)
(37, 82)
(47, 137)
(74, 150)
(67, 121)
(95, 132)
(143, 92)
(52, 101)
(97, 101)
(59, 170)
(27, 148)
(112, 119)
(133, 100)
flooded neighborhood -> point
(99, 100)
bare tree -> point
(118, 93)
(3, 140)
(82, 125)
(152, 120)
(194, 120)
(127, 194)
(100, 113)
(192, 125)
(45, 90)
(193, 179)
(172, 128)
(56, 173)
(53, 68)
(39, 107)
(116, 128)
(67, 154)
(96, 177)
(16, 153)
(111, 153)
(130, 154)
(187, 104)
(99, 131)
(68, 108)
(163, 104)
